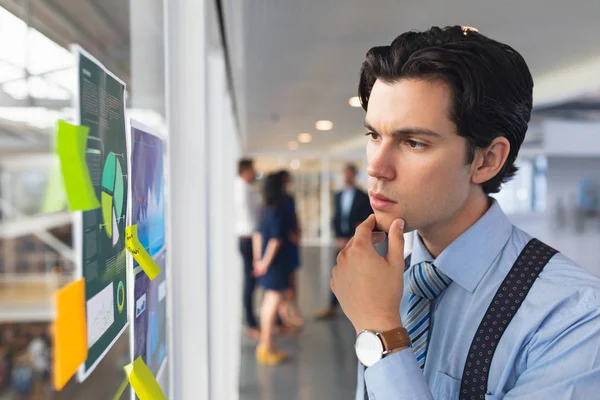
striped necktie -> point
(426, 283)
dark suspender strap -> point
(501, 311)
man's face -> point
(416, 159)
(249, 175)
(349, 176)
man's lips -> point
(381, 202)
(381, 197)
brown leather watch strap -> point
(395, 339)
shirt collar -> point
(470, 256)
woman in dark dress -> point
(272, 269)
(289, 310)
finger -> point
(365, 229)
(395, 256)
(378, 237)
(349, 243)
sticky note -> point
(55, 197)
(71, 141)
(70, 332)
(139, 252)
(143, 382)
(122, 388)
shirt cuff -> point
(397, 377)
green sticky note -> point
(143, 382)
(71, 141)
(55, 197)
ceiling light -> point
(295, 164)
(324, 125)
(354, 102)
(293, 145)
(305, 138)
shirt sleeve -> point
(397, 377)
(563, 361)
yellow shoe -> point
(266, 357)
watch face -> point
(369, 348)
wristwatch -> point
(372, 346)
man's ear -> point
(489, 161)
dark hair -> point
(284, 174)
(273, 190)
(490, 83)
(352, 168)
(245, 164)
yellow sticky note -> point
(143, 382)
(139, 252)
(121, 388)
(70, 332)
(71, 142)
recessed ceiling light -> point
(354, 102)
(295, 164)
(305, 138)
(293, 145)
(324, 125)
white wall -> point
(564, 175)
(571, 138)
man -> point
(490, 313)
(351, 208)
(248, 210)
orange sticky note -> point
(139, 252)
(143, 382)
(70, 333)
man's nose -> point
(381, 164)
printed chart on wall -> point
(100, 234)
(149, 336)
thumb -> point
(395, 256)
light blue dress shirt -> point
(346, 201)
(550, 350)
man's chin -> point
(385, 220)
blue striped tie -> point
(426, 283)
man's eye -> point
(414, 145)
(373, 135)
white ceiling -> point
(295, 62)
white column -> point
(147, 55)
(224, 271)
(325, 202)
(185, 23)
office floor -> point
(323, 364)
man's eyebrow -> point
(408, 131)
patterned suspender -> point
(501, 311)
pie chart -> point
(112, 197)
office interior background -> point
(275, 81)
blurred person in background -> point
(272, 245)
(352, 207)
(247, 214)
(480, 309)
(289, 310)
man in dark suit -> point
(352, 207)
